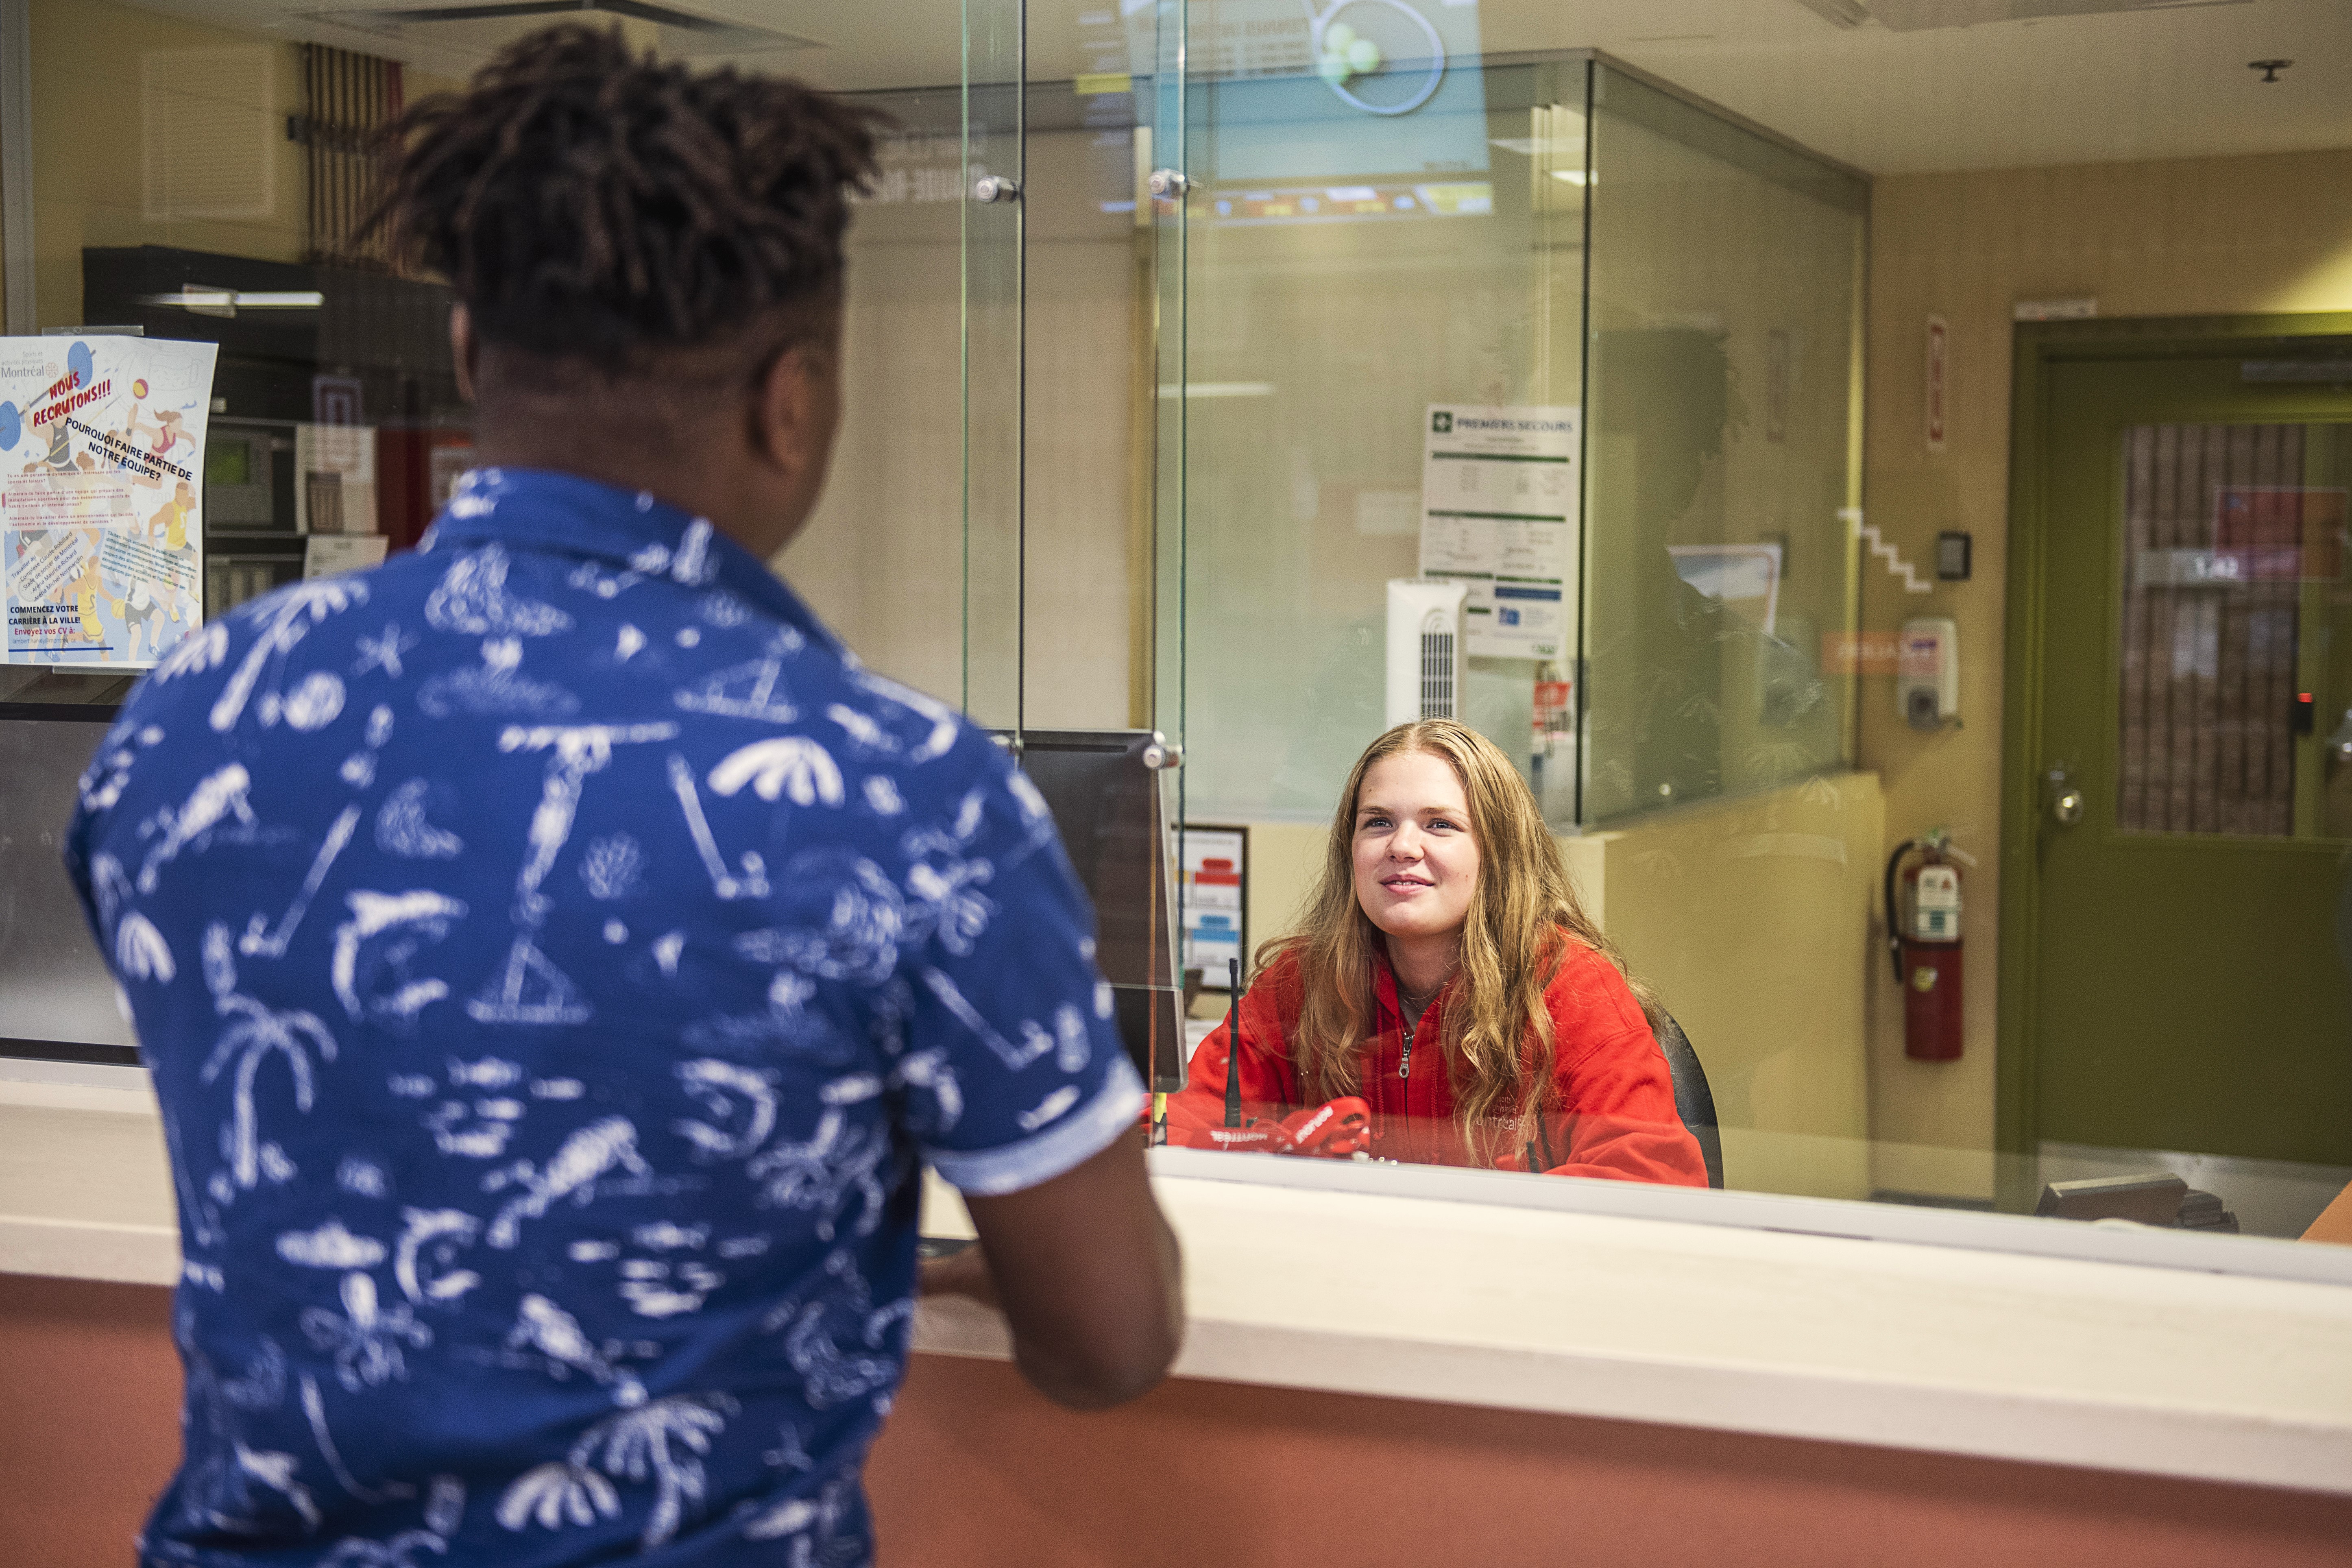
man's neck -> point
(699, 490)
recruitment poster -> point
(101, 496)
(1500, 501)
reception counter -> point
(1719, 1329)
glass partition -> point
(1644, 626)
(228, 373)
(1725, 278)
(993, 374)
(1436, 259)
(1576, 357)
(1348, 272)
(221, 204)
(897, 487)
(1885, 508)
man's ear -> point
(462, 349)
(793, 415)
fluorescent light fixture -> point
(1572, 176)
(1218, 389)
(208, 301)
(700, 32)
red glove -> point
(1254, 1137)
(1334, 1131)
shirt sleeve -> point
(1013, 1072)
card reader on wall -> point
(1425, 649)
(1927, 672)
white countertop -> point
(1944, 1332)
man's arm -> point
(1085, 1271)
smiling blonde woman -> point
(1445, 1000)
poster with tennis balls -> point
(102, 498)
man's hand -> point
(1085, 1271)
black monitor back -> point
(1105, 788)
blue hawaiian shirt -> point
(556, 956)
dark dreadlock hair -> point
(586, 204)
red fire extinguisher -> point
(1923, 935)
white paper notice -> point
(334, 478)
(1500, 501)
(101, 496)
(332, 554)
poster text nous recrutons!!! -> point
(101, 496)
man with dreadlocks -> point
(555, 954)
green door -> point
(2181, 772)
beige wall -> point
(2191, 237)
(1751, 919)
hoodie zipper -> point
(1404, 1066)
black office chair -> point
(1694, 1101)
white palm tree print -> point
(256, 1032)
(662, 1441)
(555, 1495)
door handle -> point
(2062, 795)
(2338, 745)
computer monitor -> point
(1106, 790)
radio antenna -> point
(1234, 1044)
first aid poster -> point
(1499, 504)
(101, 496)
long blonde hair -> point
(1498, 1035)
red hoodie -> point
(1614, 1110)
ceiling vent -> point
(484, 27)
(207, 123)
(1922, 15)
